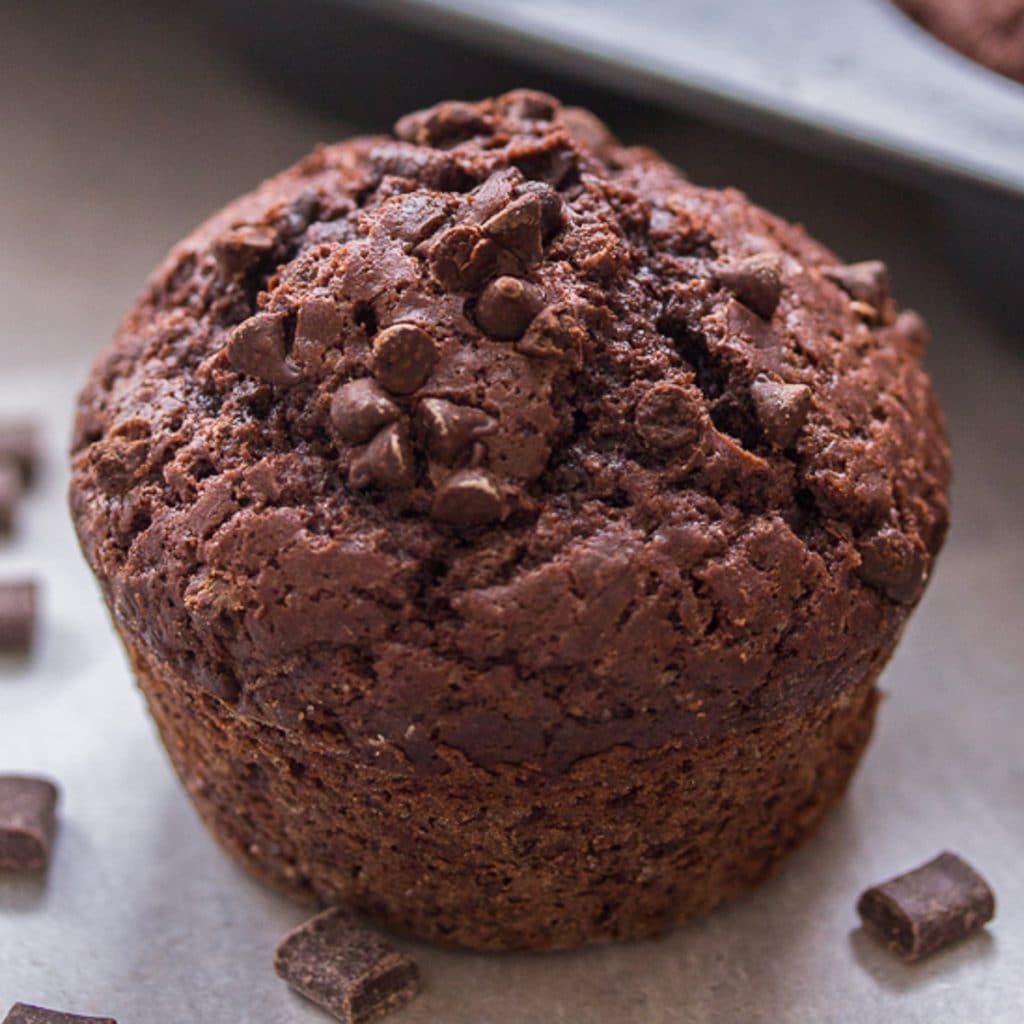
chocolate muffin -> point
(506, 533)
(990, 32)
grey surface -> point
(857, 73)
(119, 134)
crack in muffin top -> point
(499, 395)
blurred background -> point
(123, 125)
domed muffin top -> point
(500, 437)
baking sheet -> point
(145, 130)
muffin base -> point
(622, 845)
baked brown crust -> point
(499, 443)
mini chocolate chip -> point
(449, 429)
(668, 417)
(257, 347)
(238, 249)
(865, 282)
(470, 497)
(555, 333)
(893, 563)
(506, 307)
(517, 228)
(386, 461)
(781, 409)
(359, 409)
(403, 357)
(552, 209)
(461, 258)
(755, 280)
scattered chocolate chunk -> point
(27, 822)
(506, 307)
(668, 418)
(517, 228)
(350, 972)
(755, 280)
(386, 461)
(461, 258)
(415, 217)
(359, 409)
(449, 429)
(493, 194)
(781, 409)
(19, 445)
(555, 333)
(891, 562)
(929, 908)
(866, 282)
(552, 209)
(17, 616)
(257, 347)
(23, 1013)
(403, 357)
(470, 497)
(240, 248)
(10, 496)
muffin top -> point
(497, 439)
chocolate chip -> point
(414, 217)
(257, 347)
(755, 280)
(506, 307)
(319, 323)
(359, 409)
(929, 908)
(403, 357)
(894, 564)
(240, 248)
(493, 195)
(781, 409)
(461, 258)
(23, 1013)
(552, 209)
(17, 616)
(555, 333)
(528, 105)
(19, 445)
(387, 461)
(517, 228)
(27, 822)
(448, 429)
(470, 497)
(350, 972)
(447, 124)
(10, 496)
(669, 418)
(866, 282)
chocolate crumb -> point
(756, 281)
(350, 972)
(23, 1013)
(929, 908)
(27, 822)
(17, 616)
(257, 347)
(403, 357)
(781, 409)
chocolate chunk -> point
(556, 333)
(668, 418)
(506, 307)
(470, 497)
(301, 212)
(866, 282)
(552, 209)
(257, 347)
(588, 131)
(461, 259)
(447, 124)
(27, 822)
(240, 248)
(10, 496)
(19, 445)
(359, 409)
(414, 217)
(318, 323)
(755, 280)
(387, 461)
(449, 429)
(929, 908)
(891, 562)
(403, 357)
(529, 105)
(517, 228)
(910, 325)
(494, 194)
(23, 1013)
(781, 409)
(350, 972)
(17, 616)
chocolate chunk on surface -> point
(866, 282)
(470, 497)
(449, 429)
(257, 348)
(386, 461)
(18, 601)
(238, 249)
(518, 228)
(24, 1013)
(781, 409)
(403, 356)
(756, 281)
(27, 822)
(929, 908)
(350, 972)
(359, 409)
(893, 563)
(19, 444)
(10, 495)
(506, 307)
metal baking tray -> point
(858, 76)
